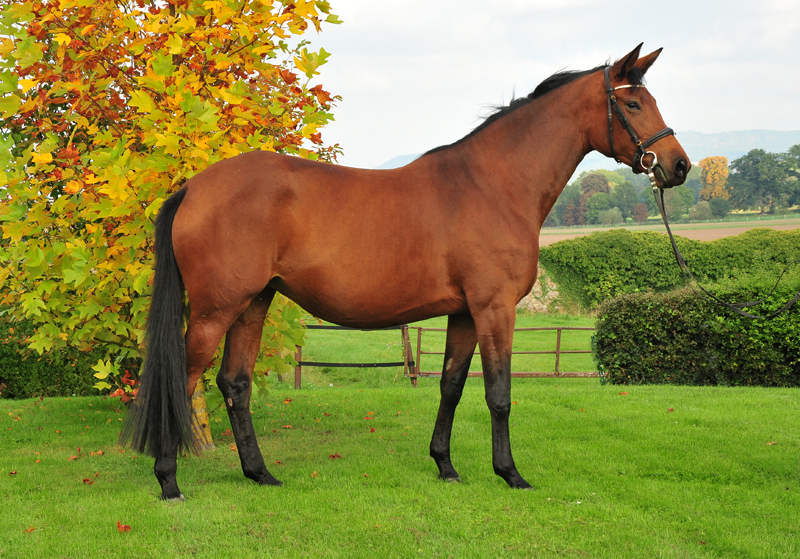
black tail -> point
(160, 417)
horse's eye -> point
(633, 105)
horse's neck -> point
(532, 153)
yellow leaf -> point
(72, 187)
(88, 29)
(174, 43)
(42, 158)
(26, 84)
(6, 46)
(62, 39)
(230, 97)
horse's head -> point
(633, 131)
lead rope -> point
(687, 274)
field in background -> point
(618, 472)
(698, 231)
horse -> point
(455, 232)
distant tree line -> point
(758, 180)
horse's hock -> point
(543, 295)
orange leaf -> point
(29, 530)
(88, 481)
(12, 473)
(623, 393)
(315, 474)
(287, 426)
(71, 458)
(123, 527)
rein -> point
(639, 167)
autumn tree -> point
(640, 213)
(107, 107)
(714, 178)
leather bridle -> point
(641, 147)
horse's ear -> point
(624, 65)
(646, 61)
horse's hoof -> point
(271, 481)
(451, 479)
(179, 499)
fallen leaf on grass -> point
(233, 448)
(227, 433)
(671, 409)
(326, 414)
(71, 458)
(334, 456)
(315, 474)
(771, 443)
(701, 543)
(372, 429)
(623, 393)
(123, 527)
(366, 475)
(12, 473)
(29, 530)
(279, 463)
(287, 426)
(88, 481)
(287, 401)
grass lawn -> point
(653, 471)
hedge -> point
(591, 269)
(26, 374)
(680, 338)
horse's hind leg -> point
(202, 339)
(460, 346)
(235, 381)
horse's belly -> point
(361, 303)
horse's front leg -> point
(458, 352)
(495, 329)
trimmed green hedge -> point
(26, 374)
(679, 338)
(594, 268)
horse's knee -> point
(236, 390)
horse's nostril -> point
(681, 168)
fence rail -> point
(527, 374)
(411, 366)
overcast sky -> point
(415, 74)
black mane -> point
(561, 78)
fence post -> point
(558, 349)
(298, 369)
(408, 357)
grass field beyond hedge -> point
(654, 471)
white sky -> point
(415, 74)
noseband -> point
(641, 147)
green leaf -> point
(9, 105)
(162, 65)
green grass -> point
(614, 475)
(332, 346)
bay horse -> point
(454, 233)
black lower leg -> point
(498, 398)
(165, 469)
(237, 400)
(458, 356)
